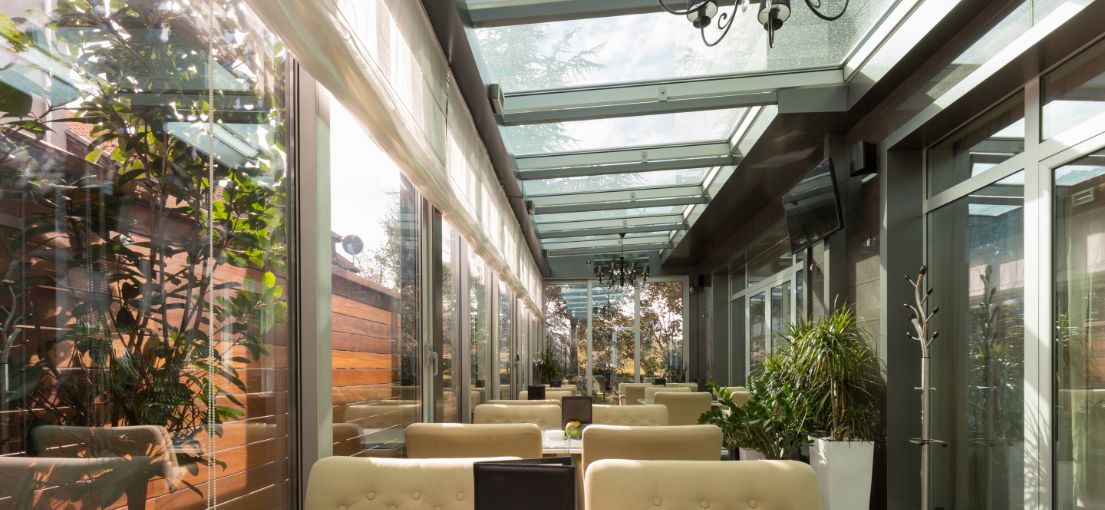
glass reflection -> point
(1079, 259)
(977, 268)
(506, 342)
(144, 243)
(374, 294)
(1073, 94)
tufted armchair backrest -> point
(460, 440)
(550, 394)
(524, 402)
(365, 483)
(632, 393)
(547, 417)
(760, 485)
(630, 415)
(684, 408)
(687, 442)
(740, 395)
(150, 442)
(692, 385)
(650, 392)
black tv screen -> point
(812, 207)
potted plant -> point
(831, 367)
(769, 425)
(546, 368)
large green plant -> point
(155, 255)
(830, 365)
(771, 422)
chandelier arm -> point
(817, 12)
(679, 12)
(724, 23)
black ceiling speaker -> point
(865, 159)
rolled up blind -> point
(381, 60)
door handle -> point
(435, 363)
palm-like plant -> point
(831, 366)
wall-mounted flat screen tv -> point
(812, 207)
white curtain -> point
(381, 59)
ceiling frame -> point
(498, 13)
(607, 249)
(643, 229)
(629, 204)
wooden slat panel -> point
(353, 308)
(355, 377)
(342, 341)
(355, 360)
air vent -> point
(498, 99)
(1083, 197)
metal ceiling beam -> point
(609, 249)
(496, 13)
(631, 109)
(633, 221)
(634, 204)
(627, 195)
(663, 96)
(625, 160)
(665, 227)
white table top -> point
(553, 442)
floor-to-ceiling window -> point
(504, 357)
(1013, 228)
(603, 336)
(480, 313)
(144, 242)
(445, 353)
(375, 302)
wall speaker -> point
(864, 159)
(498, 99)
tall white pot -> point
(844, 470)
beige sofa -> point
(693, 386)
(550, 394)
(650, 392)
(385, 414)
(684, 408)
(687, 442)
(524, 402)
(340, 483)
(773, 485)
(59, 482)
(629, 415)
(632, 393)
(547, 417)
(458, 440)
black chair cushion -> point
(528, 484)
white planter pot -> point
(750, 454)
(844, 470)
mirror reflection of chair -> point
(149, 442)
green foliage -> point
(150, 264)
(829, 363)
(545, 365)
(771, 422)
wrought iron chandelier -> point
(619, 272)
(772, 15)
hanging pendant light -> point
(617, 272)
(773, 14)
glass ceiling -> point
(661, 46)
(587, 104)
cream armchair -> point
(550, 394)
(740, 395)
(524, 402)
(338, 483)
(684, 408)
(458, 440)
(688, 442)
(632, 393)
(692, 385)
(638, 415)
(149, 442)
(60, 482)
(650, 392)
(546, 417)
(775, 485)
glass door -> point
(1078, 251)
(770, 310)
(613, 338)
